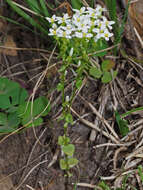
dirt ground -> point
(30, 159)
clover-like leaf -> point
(63, 164)
(69, 149)
(31, 113)
(69, 118)
(95, 72)
(11, 94)
(72, 162)
(107, 65)
(8, 122)
(107, 76)
(62, 140)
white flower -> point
(70, 27)
(99, 29)
(83, 35)
(88, 35)
(100, 34)
(54, 26)
(62, 32)
(52, 19)
(79, 63)
(92, 12)
(107, 35)
(78, 34)
(79, 12)
(67, 98)
(64, 19)
(76, 19)
(99, 10)
(81, 22)
(53, 31)
(100, 24)
(85, 23)
(108, 23)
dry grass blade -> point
(104, 97)
(88, 186)
(30, 156)
(112, 138)
(101, 118)
(40, 163)
(139, 37)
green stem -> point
(132, 111)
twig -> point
(101, 118)
(103, 102)
(95, 127)
(88, 185)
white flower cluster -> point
(85, 23)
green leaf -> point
(122, 124)
(78, 83)
(76, 4)
(95, 72)
(44, 8)
(69, 118)
(40, 107)
(11, 94)
(104, 186)
(62, 140)
(107, 65)
(8, 123)
(63, 164)
(69, 149)
(21, 25)
(100, 45)
(60, 87)
(72, 162)
(140, 172)
(132, 111)
(107, 77)
(27, 17)
(63, 68)
(34, 6)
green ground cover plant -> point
(16, 110)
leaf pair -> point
(71, 162)
(104, 72)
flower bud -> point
(71, 52)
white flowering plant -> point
(79, 35)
